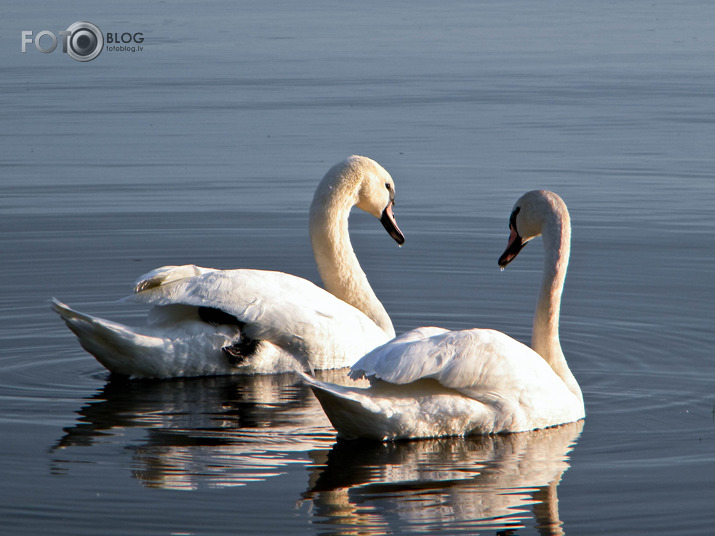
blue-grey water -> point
(205, 146)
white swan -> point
(432, 382)
(210, 322)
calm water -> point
(205, 148)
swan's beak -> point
(512, 248)
(388, 222)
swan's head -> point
(376, 193)
(358, 181)
(530, 214)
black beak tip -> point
(390, 225)
(504, 260)
(510, 253)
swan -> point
(431, 382)
(214, 322)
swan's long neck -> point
(337, 264)
(545, 341)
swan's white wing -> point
(286, 310)
(391, 361)
(457, 359)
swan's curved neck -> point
(337, 264)
(545, 341)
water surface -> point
(205, 148)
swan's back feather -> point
(457, 359)
(286, 310)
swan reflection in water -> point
(212, 432)
(231, 431)
(465, 484)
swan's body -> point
(432, 382)
(209, 322)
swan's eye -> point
(388, 186)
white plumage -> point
(207, 322)
(432, 382)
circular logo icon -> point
(86, 41)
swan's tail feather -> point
(81, 324)
(350, 410)
(107, 341)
